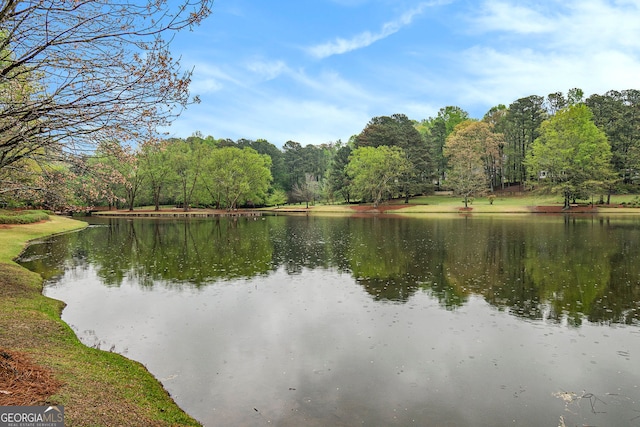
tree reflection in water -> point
(553, 268)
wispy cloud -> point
(504, 16)
(268, 70)
(549, 46)
(572, 23)
(208, 79)
(367, 38)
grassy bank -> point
(97, 388)
(449, 204)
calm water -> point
(315, 321)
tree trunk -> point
(156, 197)
(185, 204)
(131, 201)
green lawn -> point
(446, 203)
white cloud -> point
(496, 76)
(268, 70)
(367, 38)
(584, 23)
(595, 24)
(504, 16)
(308, 109)
(207, 79)
(550, 46)
(330, 85)
(278, 120)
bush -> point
(635, 202)
(22, 217)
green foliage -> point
(398, 131)
(339, 180)
(634, 203)
(472, 152)
(522, 127)
(435, 131)
(618, 115)
(302, 161)
(277, 198)
(232, 175)
(571, 156)
(186, 158)
(155, 163)
(278, 168)
(22, 217)
(376, 171)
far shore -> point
(394, 207)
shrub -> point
(22, 217)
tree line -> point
(568, 145)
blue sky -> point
(315, 71)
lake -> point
(379, 320)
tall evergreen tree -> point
(398, 131)
(522, 128)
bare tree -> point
(77, 72)
(306, 192)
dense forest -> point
(569, 145)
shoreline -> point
(358, 209)
(97, 387)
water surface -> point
(476, 321)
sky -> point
(317, 71)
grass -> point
(98, 388)
(452, 204)
(13, 238)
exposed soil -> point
(560, 209)
(379, 209)
(535, 209)
(22, 383)
(7, 226)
